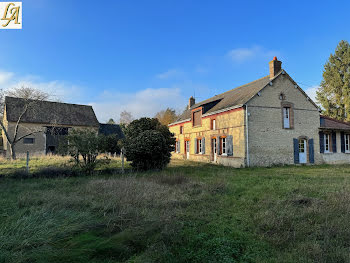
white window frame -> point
(200, 148)
(286, 117)
(347, 143)
(214, 124)
(177, 150)
(223, 146)
(327, 143)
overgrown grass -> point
(187, 213)
(45, 165)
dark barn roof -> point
(48, 112)
(231, 98)
(110, 129)
(333, 124)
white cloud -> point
(5, 77)
(57, 89)
(144, 103)
(311, 92)
(243, 54)
(171, 73)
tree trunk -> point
(12, 152)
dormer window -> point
(197, 117)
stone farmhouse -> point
(269, 121)
(47, 122)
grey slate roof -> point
(48, 112)
(234, 97)
(109, 129)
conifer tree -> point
(334, 94)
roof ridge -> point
(57, 102)
(241, 86)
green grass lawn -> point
(187, 213)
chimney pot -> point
(275, 67)
(191, 102)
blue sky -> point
(144, 56)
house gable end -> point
(282, 89)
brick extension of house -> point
(269, 121)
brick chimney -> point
(191, 102)
(275, 67)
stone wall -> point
(39, 146)
(269, 142)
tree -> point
(126, 118)
(334, 94)
(111, 121)
(31, 97)
(148, 144)
(167, 116)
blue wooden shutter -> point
(342, 140)
(296, 150)
(229, 145)
(203, 145)
(195, 146)
(334, 142)
(321, 135)
(218, 145)
(311, 151)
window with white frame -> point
(177, 146)
(223, 146)
(347, 143)
(286, 117)
(327, 143)
(200, 146)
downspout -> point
(247, 134)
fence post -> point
(122, 155)
(27, 167)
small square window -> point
(28, 140)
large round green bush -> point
(148, 144)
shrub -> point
(84, 146)
(148, 144)
(110, 144)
